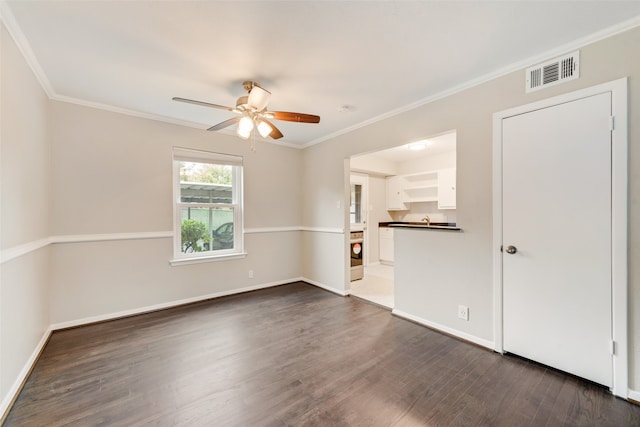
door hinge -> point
(612, 123)
(612, 347)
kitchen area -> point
(409, 186)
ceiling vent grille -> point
(558, 70)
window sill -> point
(212, 258)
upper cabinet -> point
(447, 189)
(395, 194)
(433, 186)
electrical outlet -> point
(250, 274)
(463, 312)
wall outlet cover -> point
(463, 312)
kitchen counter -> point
(449, 226)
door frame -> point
(619, 218)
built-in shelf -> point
(432, 186)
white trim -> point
(618, 89)
(156, 117)
(81, 238)
(331, 289)
(20, 250)
(17, 251)
(635, 395)
(163, 306)
(24, 47)
(323, 230)
(450, 331)
(272, 229)
(517, 66)
(208, 258)
(182, 154)
(12, 393)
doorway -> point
(560, 216)
(394, 196)
(369, 280)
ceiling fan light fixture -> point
(264, 128)
(258, 98)
(245, 126)
(252, 113)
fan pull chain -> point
(252, 144)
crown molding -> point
(21, 41)
(14, 30)
(516, 66)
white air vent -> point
(558, 70)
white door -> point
(557, 218)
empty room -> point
(340, 213)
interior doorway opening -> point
(373, 209)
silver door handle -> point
(511, 249)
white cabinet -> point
(386, 245)
(395, 196)
(421, 187)
(447, 189)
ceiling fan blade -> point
(225, 124)
(258, 98)
(275, 132)
(294, 117)
(206, 104)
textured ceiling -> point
(317, 57)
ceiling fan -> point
(252, 113)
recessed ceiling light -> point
(419, 145)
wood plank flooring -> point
(294, 355)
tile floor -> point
(376, 285)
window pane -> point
(355, 211)
(205, 183)
(207, 229)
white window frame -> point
(189, 155)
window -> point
(208, 205)
(355, 208)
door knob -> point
(511, 249)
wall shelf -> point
(432, 186)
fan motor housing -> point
(242, 101)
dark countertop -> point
(432, 226)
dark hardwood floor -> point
(294, 355)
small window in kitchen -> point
(208, 206)
(355, 211)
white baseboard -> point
(633, 395)
(454, 332)
(24, 373)
(150, 308)
(331, 289)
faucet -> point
(426, 219)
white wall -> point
(112, 174)
(444, 160)
(470, 113)
(25, 197)
(375, 165)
